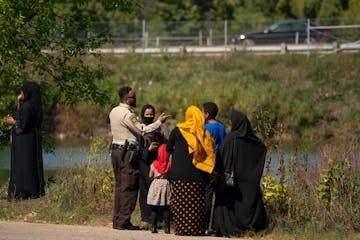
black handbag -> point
(229, 179)
(224, 181)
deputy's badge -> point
(133, 119)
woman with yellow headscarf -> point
(193, 159)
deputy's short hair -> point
(123, 91)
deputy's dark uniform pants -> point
(126, 186)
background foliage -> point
(285, 96)
(45, 41)
(244, 10)
(41, 41)
(313, 98)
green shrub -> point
(84, 190)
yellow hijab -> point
(199, 140)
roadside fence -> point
(160, 34)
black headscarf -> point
(32, 96)
(241, 124)
(147, 120)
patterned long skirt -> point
(188, 207)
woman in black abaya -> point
(26, 176)
(242, 154)
(151, 143)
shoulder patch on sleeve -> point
(133, 119)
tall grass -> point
(286, 97)
(321, 195)
(303, 200)
(85, 191)
(81, 194)
(326, 193)
(315, 97)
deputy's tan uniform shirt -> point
(125, 125)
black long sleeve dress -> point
(26, 176)
(240, 208)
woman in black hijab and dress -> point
(151, 143)
(239, 208)
(27, 174)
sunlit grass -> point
(288, 99)
(84, 195)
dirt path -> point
(40, 231)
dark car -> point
(292, 31)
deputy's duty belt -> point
(115, 146)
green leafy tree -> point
(47, 41)
(217, 9)
(324, 9)
(283, 9)
(330, 9)
(305, 8)
(175, 10)
(191, 10)
(213, 10)
(353, 9)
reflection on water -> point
(67, 156)
(61, 157)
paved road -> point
(40, 231)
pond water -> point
(66, 156)
(63, 156)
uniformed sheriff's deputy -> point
(126, 129)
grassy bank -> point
(286, 97)
(4, 175)
(319, 200)
(313, 98)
